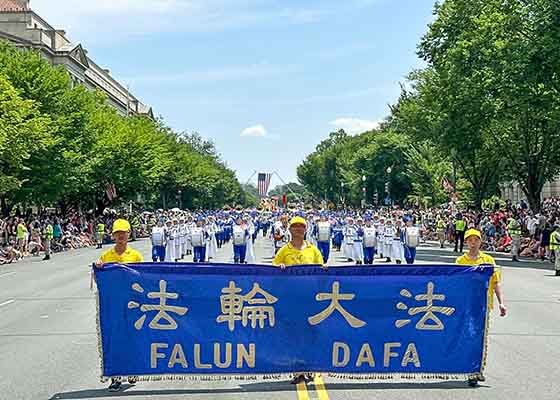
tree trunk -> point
(6, 208)
(533, 189)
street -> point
(48, 340)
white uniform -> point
(183, 239)
(348, 242)
(189, 226)
(358, 247)
(170, 245)
(324, 231)
(158, 236)
(380, 230)
(397, 248)
(388, 235)
(250, 255)
(212, 244)
(370, 236)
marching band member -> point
(170, 243)
(370, 241)
(248, 222)
(240, 237)
(323, 233)
(211, 244)
(411, 241)
(281, 234)
(199, 237)
(388, 235)
(380, 230)
(358, 246)
(158, 242)
(348, 245)
(177, 241)
(397, 248)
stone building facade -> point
(20, 25)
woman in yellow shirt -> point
(120, 253)
(476, 257)
(298, 251)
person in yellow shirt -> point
(476, 257)
(120, 253)
(298, 251)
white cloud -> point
(254, 131)
(354, 125)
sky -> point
(266, 80)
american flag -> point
(263, 183)
(111, 191)
(447, 186)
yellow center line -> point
(302, 391)
(320, 388)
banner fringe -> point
(377, 377)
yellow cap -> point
(121, 225)
(472, 232)
(298, 220)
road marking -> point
(7, 274)
(320, 388)
(302, 391)
(7, 302)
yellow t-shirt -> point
(484, 259)
(289, 255)
(129, 256)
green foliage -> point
(64, 144)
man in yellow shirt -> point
(476, 257)
(120, 253)
(298, 251)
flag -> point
(263, 183)
(447, 186)
(111, 191)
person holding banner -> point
(476, 257)
(298, 252)
(120, 253)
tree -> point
(501, 59)
(23, 132)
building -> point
(512, 191)
(24, 28)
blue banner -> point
(169, 320)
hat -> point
(121, 225)
(298, 220)
(472, 232)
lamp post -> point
(342, 192)
(388, 183)
(364, 191)
(179, 198)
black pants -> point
(459, 239)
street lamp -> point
(179, 198)
(387, 184)
(364, 190)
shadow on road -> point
(261, 387)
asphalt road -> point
(48, 342)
